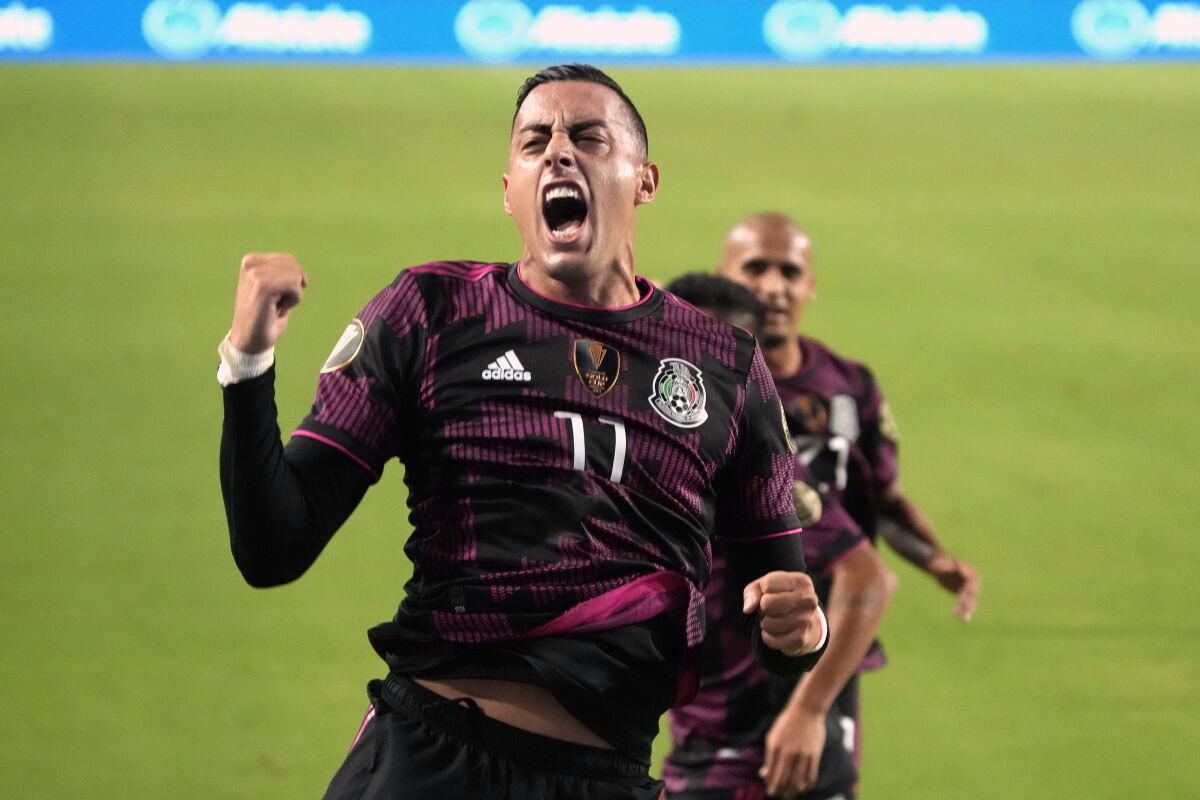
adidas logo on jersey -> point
(507, 368)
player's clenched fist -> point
(270, 285)
(787, 610)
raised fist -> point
(269, 286)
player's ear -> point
(647, 183)
(504, 181)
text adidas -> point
(507, 368)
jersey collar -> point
(651, 299)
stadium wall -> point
(649, 32)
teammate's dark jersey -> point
(845, 434)
(718, 737)
(842, 428)
(566, 466)
(846, 450)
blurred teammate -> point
(747, 733)
(844, 432)
(837, 413)
(572, 437)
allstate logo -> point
(493, 30)
(1111, 28)
(805, 30)
(181, 28)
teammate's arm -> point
(909, 532)
(898, 520)
(282, 504)
(861, 588)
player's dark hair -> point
(590, 74)
(722, 295)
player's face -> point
(575, 174)
(777, 266)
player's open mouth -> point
(565, 211)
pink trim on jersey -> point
(370, 715)
(744, 539)
(636, 601)
(525, 283)
(325, 440)
(472, 273)
(843, 554)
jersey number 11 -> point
(579, 445)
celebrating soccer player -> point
(573, 437)
(749, 734)
(846, 439)
(838, 415)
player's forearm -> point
(911, 547)
(282, 506)
(907, 530)
(862, 588)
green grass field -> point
(1014, 251)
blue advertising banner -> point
(652, 31)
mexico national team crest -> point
(678, 394)
(597, 365)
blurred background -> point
(1004, 201)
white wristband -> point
(824, 631)
(237, 366)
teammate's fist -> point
(269, 286)
(788, 614)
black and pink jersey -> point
(843, 430)
(718, 737)
(566, 468)
(845, 445)
(845, 435)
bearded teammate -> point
(748, 734)
(844, 432)
(572, 438)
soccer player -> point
(572, 438)
(845, 434)
(837, 413)
(749, 734)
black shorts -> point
(415, 744)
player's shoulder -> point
(418, 291)
(714, 333)
(852, 370)
(453, 272)
(441, 281)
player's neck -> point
(608, 286)
(784, 359)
